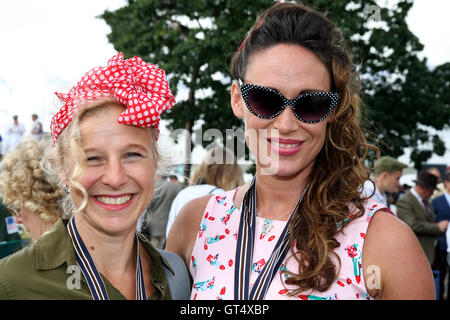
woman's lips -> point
(285, 147)
(114, 202)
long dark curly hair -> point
(339, 172)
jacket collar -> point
(55, 248)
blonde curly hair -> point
(25, 185)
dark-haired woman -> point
(300, 229)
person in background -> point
(105, 152)
(32, 195)
(415, 209)
(388, 172)
(14, 133)
(218, 172)
(154, 220)
(173, 178)
(300, 229)
(37, 131)
(8, 227)
(440, 188)
(441, 206)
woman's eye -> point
(133, 155)
(90, 159)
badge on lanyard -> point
(11, 225)
(244, 250)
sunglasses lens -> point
(263, 102)
(312, 108)
(13, 211)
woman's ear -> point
(237, 104)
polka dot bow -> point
(141, 87)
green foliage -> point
(194, 41)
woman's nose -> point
(114, 175)
(286, 122)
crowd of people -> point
(320, 225)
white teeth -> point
(109, 200)
(282, 145)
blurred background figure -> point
(8, 227)
(173, 178)
(440, 188)
(30, 194)
(154, 220)
(36, 131)
(415, 209)
(388, 172)
(14, 133)
(10, 236)
(441, 206)
(218, 172)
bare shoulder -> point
(394, 264)
(239, 195)
(182, 235)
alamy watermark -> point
(259, 142)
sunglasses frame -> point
(245, 88)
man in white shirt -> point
(415, 209)
(14, 133)
(387, 179)
(441, 206)
(36, 131)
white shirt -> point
(447, 197)
(414, 192)
(13, 137)
(186, 195)
(378, 196)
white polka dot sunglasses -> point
(267, 103)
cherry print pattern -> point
(212, 264)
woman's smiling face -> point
(120, 169)
(284, 144)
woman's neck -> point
(113, 255)
(277, 196)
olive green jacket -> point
(47, 269)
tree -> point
(194, 41)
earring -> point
(66, 188)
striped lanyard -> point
(244, 250)
(90, 272)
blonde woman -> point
(31, 195)
(106, 154)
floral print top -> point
(212, 260)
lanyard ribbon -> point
(90, 272)
(244, 250)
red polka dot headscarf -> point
(141, 87)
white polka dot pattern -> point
(278, 109)
(140, 86)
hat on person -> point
(427, 180)
(388, 164)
